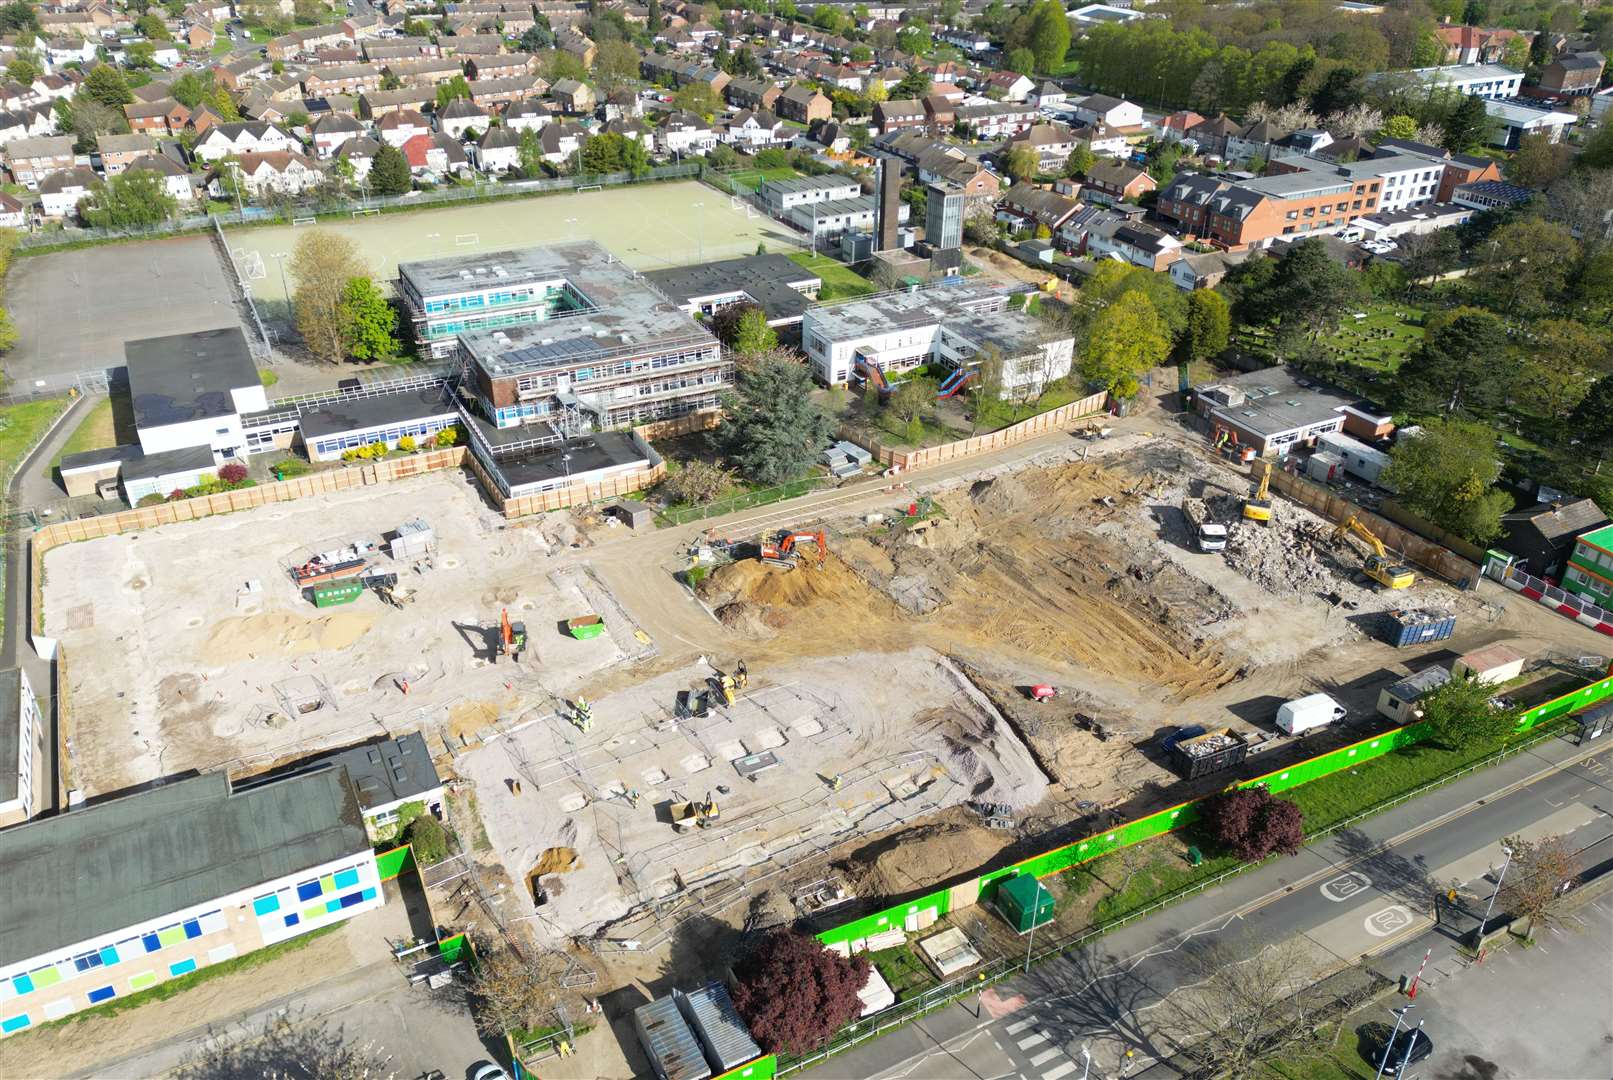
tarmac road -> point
(1360, 892)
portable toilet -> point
(1024, 902)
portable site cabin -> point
(715, 1022)
(1493, 665)
(1399, 702)
(1024, 902)
(673, 1050)
(413, 540)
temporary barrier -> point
(962, 894)
(389, 864)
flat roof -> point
(185, 377)
(95, 870)
(11, 734)
(1275, 402)
(896, 310)
(623, 312)
(772, 281)
(603, 450)
(793, 185)
(385, 771)
(90, 459)
(168, 462)
(363, 413)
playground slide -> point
(955, 383)
(872, 374)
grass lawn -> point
(839, 280)
(1382, 340)
(20, 425)
(903, 970)
(96, 431)
(1340, 1061)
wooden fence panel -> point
(984, 444)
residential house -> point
(629, 128)
(942, 112)
(491, 92)
(903, 115)
(164, 117)
(426, 70)
(468, 45)
(331, 131)
(378, 103)
(1204, 270)
(118, 151)
(29, 160)
(1543, 535)
(997, 119)
(286, 172)
(1113, 111)
(434, 154)
(341, 79)
(1028, 206)
(574, 98)
(560, 140)
(949, 167)
(177, 180)
(1051, 143)
(1256, 140)
(751, 94)
(239, 72)
(1175, 127)
(1573, 74)
(755, 129)
(580, 45)
(62, 51)
(1212, 134)
(60, 191)
(502, 66)
(356, 155)
(1475, 44)
(685, 133)
(397, 128)
(521, 115)
(242, 137)
(803, 104)
(1011, 85)
(1048, 95)
(460, 116)
(200, 35)
(1111, 182)
(499, 150)
(1137, 243)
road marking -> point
(1388, 920)
(1047, 1055)
(1345, 885)
(1061, 1070)
(1018, 1025)
(1034, 1039)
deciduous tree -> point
(1535, 879)
(1023, 163)
(1538, 162)
(1049, 35)
(752, 335)
(1526, 264)
(794, 994)
(1252, 823)
(285, 1047)
(322, 264)
(774, 431)
(1080, 161)
(1209, 324)
(1124, 340)
(106, 84)
(1463, 715)
(696, 482)
(507, 992)
(134, 199)
(369, 323)
(1447, 473)
(698, 98)
(1456, 368)
(452, 90)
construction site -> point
(670, 735)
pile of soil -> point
(917, 859)
(280, 634)
(751, 620)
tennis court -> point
(649, 226)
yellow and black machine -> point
(1378, 566)
(1257, 507)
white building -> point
(1113, 111)
(785, 195)
(114, 898)
(244, 137)
(190, 390)
(1475, 80)
(948, 325)
(20, 734)
(1516, 119)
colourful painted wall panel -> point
(397, 861)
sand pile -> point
(787, 592)
(750, 620)
(1004, 494)
(237, 638)
(988, 759)
(556, 860)
(920, 858)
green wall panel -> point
(389, 864)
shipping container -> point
(413, 540)
(1324, 467)
(1208, 753)
(584, 627)
(1494, 664)
(337, 592)
(1413, 626)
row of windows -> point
(124, 951)
(549, 380)
(1593, 557)
(1585, 581)
(476, 303)
(389, 435)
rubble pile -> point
(1207, 745)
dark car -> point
(1390, 1056)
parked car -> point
(1392, 1053)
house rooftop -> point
(99, 868)
(385, 771)
(773, 281)
(358, 414)
(1275, 401)
(185, 377)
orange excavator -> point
(511, 636)
(784, 549)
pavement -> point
(1359, 893)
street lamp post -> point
(1499, 878)
(1400, 1014)
(1405, 1058)
(1086, 1062)
(280, 257)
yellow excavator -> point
(702, 814)
(1378, 566)
(1257, 507)
(728, 685)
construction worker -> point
(834, 782)
(518, 641)
(582, 715)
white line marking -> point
(1047, 1055)
(1031, 1040)
(1062, 1070)
(1018, 1025)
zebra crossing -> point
(1037, 1055)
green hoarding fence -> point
(1176, 817)
(452, 949)
(762, 1068)
(399, 860)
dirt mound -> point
(916, 860)
(756, 583)
(555, 860)
(750, 620)
(1001, 495)
(280, 634)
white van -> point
(1308, 713)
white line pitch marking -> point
(1019, 1025)
(1031, 1040)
